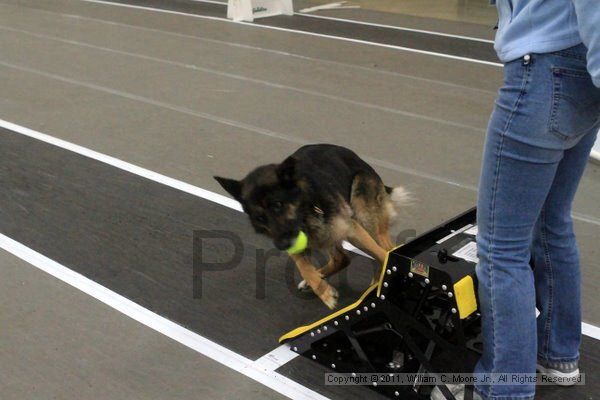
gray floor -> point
(191, 98)
(59, 343)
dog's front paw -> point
(330, 297)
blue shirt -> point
(543, 26)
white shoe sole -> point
(559, 378)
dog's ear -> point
(232, 186)
(286, 171)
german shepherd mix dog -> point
(331, 195)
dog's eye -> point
(277, 206)
(261, 218)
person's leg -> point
(515, 180)
(547, 105)
(512, 193)
(556, 261)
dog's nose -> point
(283, 243)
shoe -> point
(560, 373)
(458, 391)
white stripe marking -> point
(399, 28)
(211, 2)
(388, 46)
(356, 250)
(125, 166)
(271, 51)
(590, 330)
(586, 218)
(202, 345)
(353, 21)
(331, 6)
(276, 358)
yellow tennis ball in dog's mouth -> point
(299, 244)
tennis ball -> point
(299, 244)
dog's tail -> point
(399, 197)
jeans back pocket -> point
(575, 103)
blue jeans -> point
(538, 142)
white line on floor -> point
(400, 28)
(588, 329)
(586, 218)
(276, 358)
(354, 21)
(252, 369)
(345, 39)
(271, 51)
(223, 3)
(125, 166)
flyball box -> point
(421, 317)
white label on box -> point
(468, 252)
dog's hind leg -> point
(312, 276)
(359, 237)
(369, 202)
(383, 230)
